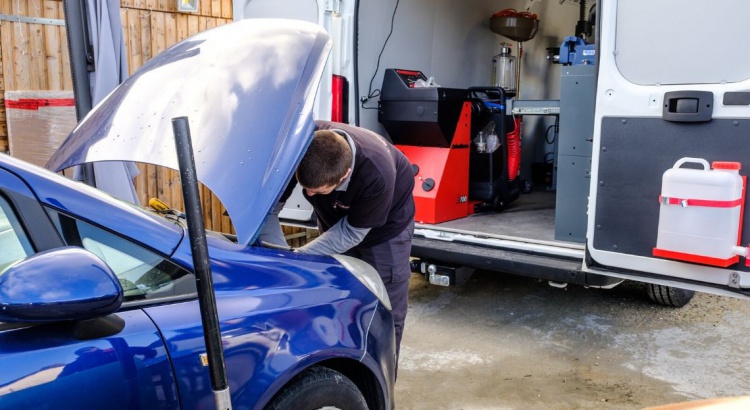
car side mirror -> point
(67, 283)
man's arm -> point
(339, 239)
(271, 231)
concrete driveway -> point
(506, 342)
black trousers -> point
(391, 260)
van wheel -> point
(526, 186)
(669, 296)
(319, 388)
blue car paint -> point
(279, 313)
(88, 287)
(263, 328)
(47, 367)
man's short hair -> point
(326, 161)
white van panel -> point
(631, 88)
(289, 9)
(682, 42)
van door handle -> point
(688, 106)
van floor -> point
(531, 216)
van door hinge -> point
(333, 6)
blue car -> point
(98, 301)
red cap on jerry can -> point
(733, 166)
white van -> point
(632, 151)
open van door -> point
(672, 145)
(336, 90)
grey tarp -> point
(110, 69)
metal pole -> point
(199, 247)
(81, 63)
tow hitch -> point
(442, 275)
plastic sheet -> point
(38, 122)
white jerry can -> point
(700, 213)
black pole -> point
(199, 247)
(81, 63)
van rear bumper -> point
(539, 266)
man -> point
(360, 187)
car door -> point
(671, 129)
(111, 362)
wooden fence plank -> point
(204, 7)
(21, 46)
(6, 34)
(52, 48)
(140, 184)
(67, 77)
(216, 210)
(134, 43)
(226, 9)
(182, 27)
(151, 187)
(146, 51)
(158, 33)
(193, 25)
(215, 8)
(170, 29)
(37, 63)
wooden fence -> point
(35, 57)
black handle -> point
(688, 106)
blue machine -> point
(576, 51)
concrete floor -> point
(505, 342)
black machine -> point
(439, 130)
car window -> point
(14, 245)
(143, 274)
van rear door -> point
(337, 88)
(672, 124)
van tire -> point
(669, 296)
(316, 388)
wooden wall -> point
(35, 57)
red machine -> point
(441, 175)
(435, 128)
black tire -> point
(498, 204)
(526, 186)
(669, 296)
(316, 388)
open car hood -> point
(247, 89)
